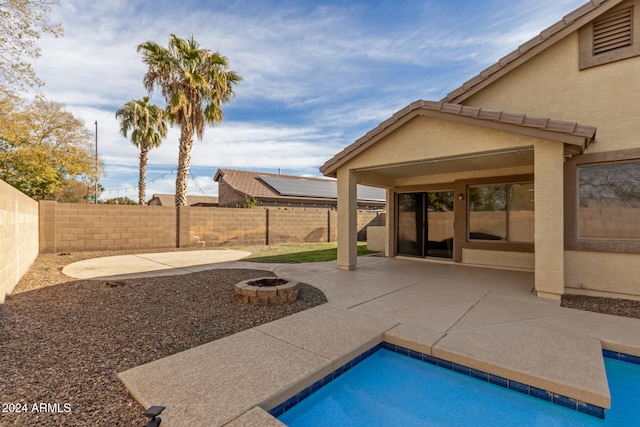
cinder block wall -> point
(259, 226)
(306, 225)
(229, 226)
(67, 227)
(18, 236)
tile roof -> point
(556, 32)
(170, 200)
(247, 182)
(568, 132)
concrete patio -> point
(481, 318)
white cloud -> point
(316, 75)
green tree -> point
(120, 201)
(76, 191)
(22, 22)
(195, 83)
(42, 147)
(148, 126)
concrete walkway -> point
(481, 318)
(151, 265)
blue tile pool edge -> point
(558, 399)
(621, 356)
(289, 403)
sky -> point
(317, 75)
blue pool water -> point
(389, 389)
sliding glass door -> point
(425, 224)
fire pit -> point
(267, 291)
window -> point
(502, 212)
(611, 37)
(609, 201)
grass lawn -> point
(298, 252)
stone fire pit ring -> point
(267, 291)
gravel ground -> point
(62, 340)
(615, 306)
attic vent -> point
(613, 31)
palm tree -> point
(195, 82)
(148, 125)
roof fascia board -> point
(525, 53)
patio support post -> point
(347, 220)
(549, 219)
(390, 225)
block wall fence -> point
(18, 236)
(69, 227)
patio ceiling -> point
(467, 163)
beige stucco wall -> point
(549, 219)
(499, 259)
(551, 85)
(602, 272)
(347, 219)
(430, 138)
(376, 238)
(18, 236)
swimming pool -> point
(390, 389)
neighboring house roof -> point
(273, 187)
(170, 200)
(574, 134)
(567, 25)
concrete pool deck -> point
(481, 318)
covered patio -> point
(460, 186)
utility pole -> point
(95, 195)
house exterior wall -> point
(429, 138)
(18, 236)
(499, 259)
(551, 85)
(614, 275)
